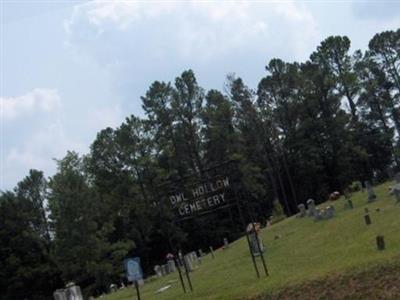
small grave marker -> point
(302, 210)
(370, 191)
(226, 244)
(311, 210)
(330, 212)
(367, 219)
(318, 214)
(380, 242)
(171, 265)
(157, 270)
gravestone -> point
(367, 219)
(226, 243)
(396, 189)
(113, 287)
(193, 256)
(311, 210)
(380, 242)
(318, 214)
(164, 270)
(188, 262)
(171, 265)
(201, 253)
(302, 210)
(370, 191)
(330, 212)
(60, 295)
(73, 293)
(157, 270)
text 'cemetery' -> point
(201, 198)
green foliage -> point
(306, 251)
(355, 186)
(278, 214)
(309, 129)
(27, 269)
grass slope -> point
(306, 251)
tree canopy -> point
(308, 129)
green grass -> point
(305, 251)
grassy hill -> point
(305, 252)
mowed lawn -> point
(305, 250)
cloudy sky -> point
(72, 68)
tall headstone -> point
(193, 256)
(60, 295)
(226, 243)
(396, 188)
(164, 270)
(311, 210)
(302, 210)
(188, 262)
(171, 265)
(74, 293)
(370, 192)
(157, 270)
(167, 271)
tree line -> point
(309, 129)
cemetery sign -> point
(201, 197)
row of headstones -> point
(329, 212)
(163, 270)
(190, 260)
(315, 212)
(70, 293)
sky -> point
(71, 68)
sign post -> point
(134, 272)
(201, 193)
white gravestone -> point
(318, 214)
(330, 212)
(226, 243)
(171, 265)
(188, 262)
(370, 191)
(157, 270)
(73, 293)
(396, 189)
(302, 210)
(311, 207)
(60, 295)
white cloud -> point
(37, 100)
(37, 152)
(192, 29)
